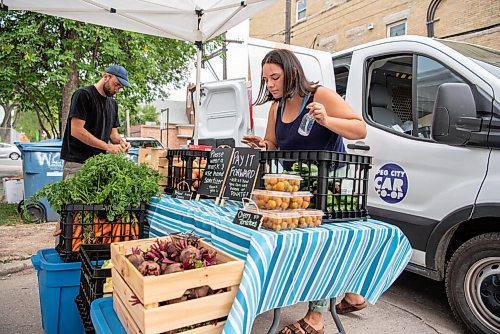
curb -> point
(15, 267)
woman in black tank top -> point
(284, 83)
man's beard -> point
(106, 89)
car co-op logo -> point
(391, 183)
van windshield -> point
(487, 58)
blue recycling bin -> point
(58, 285)
(104, 317)
(41, 165)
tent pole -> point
(197, 92)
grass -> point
(9, 215)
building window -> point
(396, 29)
(301, 10)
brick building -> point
(334, 25)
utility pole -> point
(127, 122)
(288, 10)
(224, 58)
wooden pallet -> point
(149, 317)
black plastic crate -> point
(338, 181)
(185, 165)
(92, 279)
(88, 224)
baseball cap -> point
(120, 72)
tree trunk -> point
(17, 117)
(8, 108)
(67, 90)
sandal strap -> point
(308, 329)
(291, 329)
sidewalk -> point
(399, 311)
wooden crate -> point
(148, 316)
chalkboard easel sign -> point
(242, 173)
(247, 219)
(214, 176)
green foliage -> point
(109, 179)
(141, 115)
(28, 124)
(9, 214)
(39, 55)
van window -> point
(341, 69)
(430, 75)
(394, 81)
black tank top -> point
(320, 138)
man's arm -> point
(79, 132)
(117, 139)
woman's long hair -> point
(294, 81)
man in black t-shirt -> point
(93, 121)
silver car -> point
(9, 151)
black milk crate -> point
(88, 224)
(185, 165)
(92, 280)
(338, 181)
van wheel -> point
(473, 283)
(32, 212)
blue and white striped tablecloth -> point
(287, 267)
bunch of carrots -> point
(90, 229)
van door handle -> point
(361, 147)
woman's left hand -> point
(318, 111)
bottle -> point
(306, 124)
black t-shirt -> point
(100, 114)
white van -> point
(433, 113)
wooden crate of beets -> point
(185, 165)
(338, 181)
(197, 300)
(88, 224)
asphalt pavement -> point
(412, 305)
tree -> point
(44, 59)
(147, 113)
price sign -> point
(248, 219)
(182, 194)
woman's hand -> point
(254, 141)
(318, 111)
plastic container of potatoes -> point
(271, 200)
(282, 182)
(280, 220)
(280, 200)
(309, 218)
(289, 220)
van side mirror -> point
(454, 114)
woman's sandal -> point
(345, 307)
(304, 326)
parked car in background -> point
(138, 142)
(9, 151)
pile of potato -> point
(278, 200)
(282, 182)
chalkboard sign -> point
(248, 219)
(242, 173)
(215, 173)
(182, 194)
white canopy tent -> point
(190, 20)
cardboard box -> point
(151, 156)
